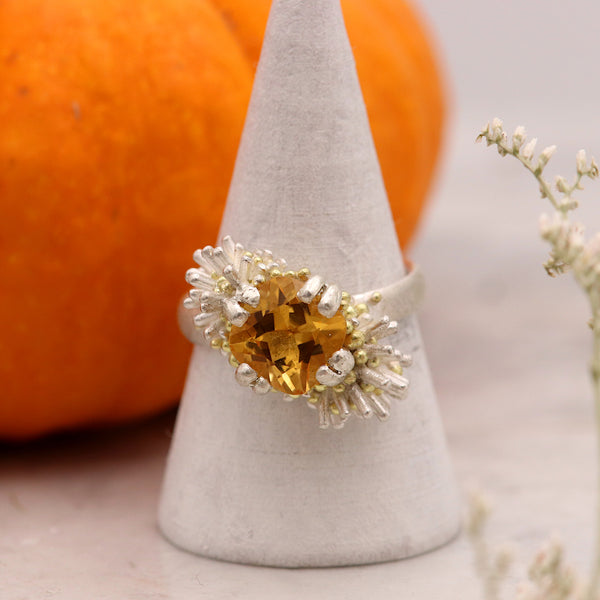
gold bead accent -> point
(350, 312)
(376, 297)
(360, 357)
(291, 274)
(312, 399)
(304, 274)
(396, 368)
(216, 343)
(257, 259)
(361, 308)
(214, 275)
(357, 340)
(378, 391)
(345, 297)
(249, 254)
(350, 378)
(276, 273)
(233, 361)
(334, 409)
(339, 388)
(368, 388)
(349, 327)
(225, 346)
(320, 387)
(228, 327)
(373, 363)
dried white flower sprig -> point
(569, 251)
(491, 566)
(549, 578)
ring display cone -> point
(251, 478)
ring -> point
(292, 332)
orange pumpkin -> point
(120, 123)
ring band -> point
(292, 332)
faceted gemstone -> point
(285, 340)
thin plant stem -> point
(594, 585)
(569, 251)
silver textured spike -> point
(397, 386)
(341, 361)
(213, 330)
(237, 257)
(381, 406)
(328, 377)
(330, 301)
(219, 258)
(206, 255)
(210, 301)
(203, 256)
(245, 374)
(324, 411)
(229, 274)
(229, 248)
(203, 319)
(391, 329)
(234, 312)
(336, 420)
(190, 303)
(376, 328)
(373, 377)
(378, 350)
(243, 269)
(405, 360)
(342, 405)
(310, 289)
(193, 276)
(361, 402)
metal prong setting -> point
(308, 292)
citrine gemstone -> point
(285, 340)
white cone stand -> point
(251, 478)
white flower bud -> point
(581, 160)
(561, 184)
(527, 152)
(545, 156)
(497, 130)
(545, 225)
(518, 137)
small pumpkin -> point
(120, 125)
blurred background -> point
(508, 348)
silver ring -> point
(292, 332)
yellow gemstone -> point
(285, 340)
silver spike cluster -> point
(374, 378)
(362, 378)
